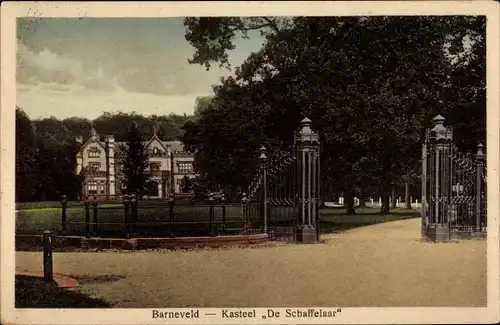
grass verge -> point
(33, 292)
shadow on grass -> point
(335, 223)
(368, 210)
(33, 292)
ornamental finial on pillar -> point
(262, 156)
(306, 134)
(480, 152)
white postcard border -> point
(11, 10)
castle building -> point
(98, 161)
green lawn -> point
(33, 292)
(189, 220)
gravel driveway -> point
(374, 266)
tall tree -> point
(134, 162)
(369, 90)
(27, 177)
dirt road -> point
(375, 266)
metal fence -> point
(283, 198)
(136, 218)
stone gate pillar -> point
(307, 142)
(436, 175)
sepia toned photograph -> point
(269, 167)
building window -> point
(94, 167)
(102, 189)
(94, 152)
(155, 150)
(185, 168)
(92, 187)
(154, 166)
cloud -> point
(71, 67)
(49, 67)
(45, 99)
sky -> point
(83, 67)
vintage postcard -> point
(250, 162)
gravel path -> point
(375, 266)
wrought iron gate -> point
(283, 198)
(453, 187)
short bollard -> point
(47, 256)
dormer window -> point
(94, 152)
(155, 150)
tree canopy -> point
(370, 85)
(134, 162)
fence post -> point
(64, 205)
(244, 210)
(423, 209)
(171, 203)
(94, 215)
(318, 189)
(263, 202)
(48, 274)
(479, 177)
(211, 202)
(87, 218)
(126, 204)
(133, 209)
(223, 199)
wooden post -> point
(64, 205)
(48, 274)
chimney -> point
(110, 139)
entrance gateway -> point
(283, 198)
(453, 188)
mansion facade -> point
(98, 161)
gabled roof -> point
(96, 139)
(155, 137)
(173, 145)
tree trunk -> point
(362, 201)
(384, 209)
(407, 196)
(349, 202)
(393, 196)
